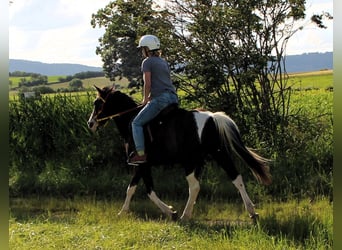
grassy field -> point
(54, 83)
(16, 79)
(91, 224)
(317, 79)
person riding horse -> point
(158, 93)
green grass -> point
(16, 79)
(55, 85)
(50, 223)
(317, 80)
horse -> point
(179, 136)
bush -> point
(76, 84)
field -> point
(55, 85)
(295, 211)
(318, 79)
(94, 224)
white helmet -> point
(150, 41)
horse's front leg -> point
(147, 177)
(131, 190)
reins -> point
(118, 114)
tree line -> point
(35, 80)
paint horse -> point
(183, 137)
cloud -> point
(312, 38)
(54, 31)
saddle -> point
(159, 119)
(151, 127)
(164, 113)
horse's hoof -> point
(254, 217)
(122, 212)
(174, 216)
(185, 218)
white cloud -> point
(57, 31)
(312, 38)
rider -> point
(158, 92)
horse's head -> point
(100, 112)
(109, 104)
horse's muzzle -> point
(90, 124)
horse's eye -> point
(98, 102)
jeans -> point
(150, 111)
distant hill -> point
(294, 63)
(49, 69)
(309, 62)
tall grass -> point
(53, 152)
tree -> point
(125, 23)
(234, 57)
(76, 84)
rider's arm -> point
(147, 86)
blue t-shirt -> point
(160, 75)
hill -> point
(294, 63)
(49, 69)
(309, 62)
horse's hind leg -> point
(194, 188)
(226, 162)
(238, 183)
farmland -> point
(54, 83)
(68, 192)
(319, 79)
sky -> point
(59, 31)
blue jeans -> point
(150, 111)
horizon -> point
(304, 53)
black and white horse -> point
(183, 137)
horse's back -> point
(173, 137)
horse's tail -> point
(231, 139)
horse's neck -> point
(123, 121)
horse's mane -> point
(121, 97)
(125, 99)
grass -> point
(16, 79)
(49, 223)
(316, 80)
(53, 82)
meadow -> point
(50, 223)
(72, 185)
(54, 83)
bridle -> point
(118, 114)
(115, 115)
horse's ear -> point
(97, 88)
(113, 87)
